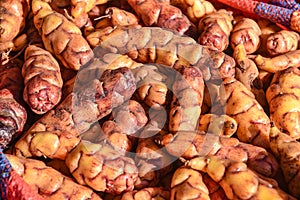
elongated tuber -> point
(12, 21)
(60, 36)
(188, 91)
(215, 29)
(187, 183)
(282, 42)
(162, 14)
(191, 144)
(247, 32)
(231, 175)
(37, 175)
(267, 28)
(152, 161)
(248, 74)
(283, 98)
(76, 114)
(152, 87)
(102, 168)
(115, 136)
(195, 9)
(42, 80)
(130, 117)
(279, 62)
(82, 7)
(287, 151)
(241, 105)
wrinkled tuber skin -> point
(279, 62)
(130, 117)
(267, 28)
(248, 74)
(113, 89)
(60, 36)
(42, 80)
(287, 151)
(12, 21)
(221, 125)
(53, 135)
(232, 175)
(160, 46)
(195, 9)
(13, 115)
(241, 105)
(64, 7)
(77, 113)
(82, 7)
(221, 65)
(247, 32)
(153, 162)
(151, 86)
(37, 175)
(246, 70)
(149, 193)
(125, 121)
(215, 29)
(96, 131)
(190, 144)
(282, 42)
(114, 18)
(187, 183)
(283, 97)
(102, 168)
(95, 37)
(188, 90)
(120, 17)
(214, 188)
(162, 15)
(114, 135)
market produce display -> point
(149, 99)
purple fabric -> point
(5, 169)
(274, 13)
(290, 4)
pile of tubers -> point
(148, 99)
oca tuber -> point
(42, 80)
